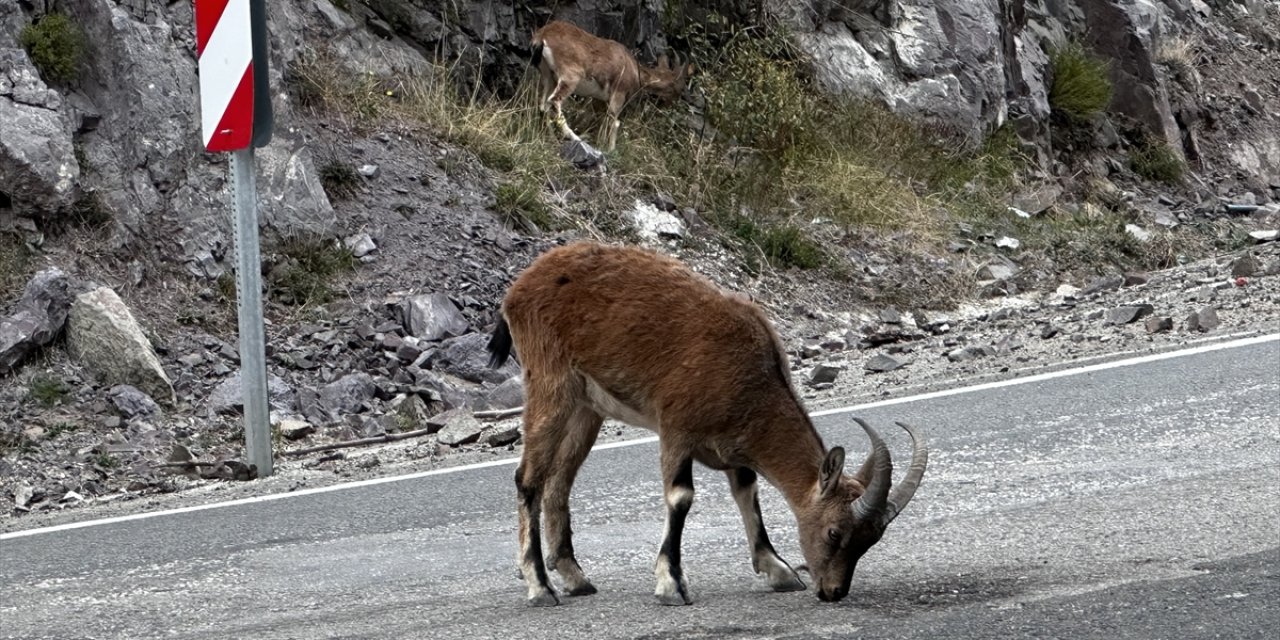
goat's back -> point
(648, 329)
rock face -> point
(37, 320)
(103, 335)
(38, 170)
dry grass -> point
(1177, 53)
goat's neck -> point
(791, 456)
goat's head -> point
(848, 514)
(666, 81)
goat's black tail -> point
(537, 53)
(499, 344)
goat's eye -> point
(833, 535)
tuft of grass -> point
(48, 390)
(520, 203)
(1156, 160)
(89, 212)
(1081, 81)
(106, 461)
(320, 81)
(60, 428)
(1177, 53)
(56, 45)
(305, 269)
(339, 180)
(15, 266)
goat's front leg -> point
(564, 88)
(677, 477)
(742, 481)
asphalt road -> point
(1133, 502)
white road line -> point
(1116, 364)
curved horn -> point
(879, 466)
(904, 490)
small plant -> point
(1178, 54)
(106, 461)
(1156, 160)
(227, 288)
(1081, 82)
(89, 212)
(61, 428)
(340, 181)
(306, 268)
(522, 202)
(56, 45)
(783, 246)
(47, 390)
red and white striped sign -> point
(225, 51)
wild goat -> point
(572, 61)
(627, 333)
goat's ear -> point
(832, 469)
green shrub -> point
(1155, 160)
(48, 390)
(56, 45)
(305, 269)
(521, 202)
(1081, 81)
(339, 180)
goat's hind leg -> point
(575, 442)
(544, 426)
(764, 559)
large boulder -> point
(104, 336)
(37, 320)
(38, 169)
(431, 317)
(466, 357)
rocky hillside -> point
(1026, 146)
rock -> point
(1245, 266)
(349, 394)
(1203, 320)
(503, 437)
(370, 171)
(882, 363)
(1005, 242)
(431, 317)
(824, 374)
(458, 427)
(1264, 236)
(228, 398)
(997, 270)
(1049, 331)
(1135, 279)
(1129, 313)
(965, 354)
(582, 155)
(37, 319)
(295, 429)
(1139, 234)
(103, 336)
(508, 395)
(360, 245)
(654, 224)
(1038, 200)
(467, 358)
(1105, 283)
(1159, 324)
(132, 403)
(1166, 220)
(411, 414)
(889, 315)
(38, 166)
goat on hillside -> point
(572, 61)
(629, 334)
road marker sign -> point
(236, 116)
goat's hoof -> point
(788, 583)
(676, 598)
(584, 589)
(544, 599)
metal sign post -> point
(235, 104)
(253, 342)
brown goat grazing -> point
(629, 334)
(572, 61)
